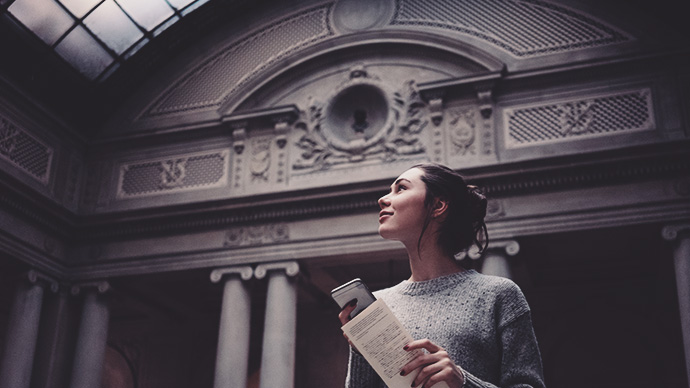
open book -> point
(379, 337)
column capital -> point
(511, 248)
(101, 286)
(671, 232)
(291, 268)
(35, 277)
(245, 272)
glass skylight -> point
(96, 36)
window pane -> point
(84, 53)
(45, 18)
(149, 13)
(113, 27)
(80, 7)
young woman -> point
(476, 329)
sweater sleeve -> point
(520, 359)
(360, 374)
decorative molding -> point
(570, 120)
(175, 174)
(257, 235)
(24, 151)
(291, 268)
(245, 273)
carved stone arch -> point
(359, 100)
(303, 63)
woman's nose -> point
(383, 201)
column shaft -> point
(91, 342)
(22, 332)
(278, 351)
(233, 336)
(681, 258)
(496, 263)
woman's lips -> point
(383, 215)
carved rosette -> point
(362, 120)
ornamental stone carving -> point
(256, 235)
(362, 120)
(462, 130)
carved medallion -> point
(362, 120)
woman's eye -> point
(402, 187)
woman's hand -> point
(435, 366)
(344, 317)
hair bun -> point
(478, 203)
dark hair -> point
(464, 224)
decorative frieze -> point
(257, 235)
(25, 151)
(174, 174)
(576, 119)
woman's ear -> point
(440, 207)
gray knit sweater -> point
(483, 322)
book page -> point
(379, 337)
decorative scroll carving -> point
(291, 268)
(511, 248)
(361, 121)
(35, 277)
(245, 273)
(671, 232)
(257, 235)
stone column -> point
(278, 351)
(496, 258)
(22, 331)
(232, 356)
(680, 235)
(92, 336)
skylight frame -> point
(107, 55)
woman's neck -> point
(431, 263)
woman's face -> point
(402, 210)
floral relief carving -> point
(361, 121)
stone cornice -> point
(669, 162)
